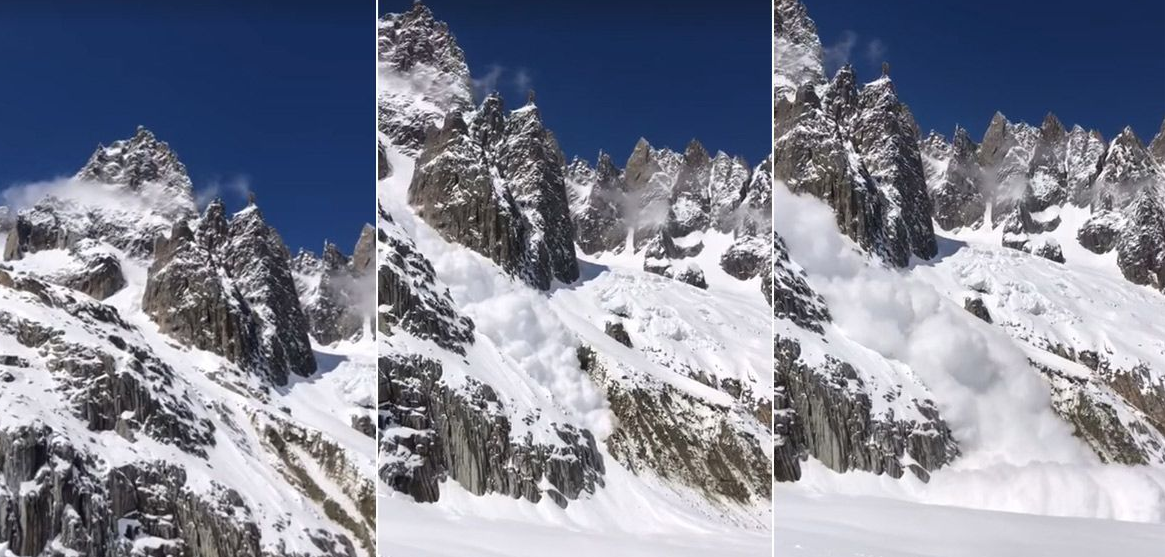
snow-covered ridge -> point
(151, 443)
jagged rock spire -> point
(140, 160)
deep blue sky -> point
(1101, 65)
(281, 93)
(608, 72)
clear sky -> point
(277, 94)
(607, 72)
(1099, 64)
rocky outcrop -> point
(418, 52)
(531, 162)
(810, 155)
(841, 430)
(660, 430)
(226, 286)
(409, 295)
(599, 216)
(976, 307)
(886, 136)
(1140, 254)
(132, 178)
(464, 434)
(335, 289)
(958, 192)
(188, 299)
(521, 222)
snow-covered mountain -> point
(984, 316)
(570, 356)
(160, 391)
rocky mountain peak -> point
(695, 155)
(1157, 146)
(1126, 168)
(1051, 130)
(641, 165)
(841, 97)
(605, 170)
(489, 123)
(415, 38)
(137, 161)
(798, 48)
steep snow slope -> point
(526, 346)
(122, 440)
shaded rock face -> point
(226, 286)
(976, 307)
(840, 429)
(532, 163)
(259, 264)
(811, 156)
(1099, 233)
(599, 217)
(96, 509)
(1157, 146)
(690, 204)
(100, 276)
(886, 135)
(658, 431)
(409, 296)
(521, 221)
(958, 192)
(1140, 254)
(464, 434)
(453, 192)
(336, 290)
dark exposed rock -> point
(1139, 249)
(958, 196)
(532, 163)
(101, 276)
(886, 135)
(336, 289)
(811, 156)
(840, 430)
(599, 222)
(1157, 146)
(690, 204)
(186, 298)
(977, 308)
(464, 435)
(453, 192)
(1100, 232)
(616, 331)
(658, 430)
(409, 295)
(791, 296)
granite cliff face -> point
(147, 355)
